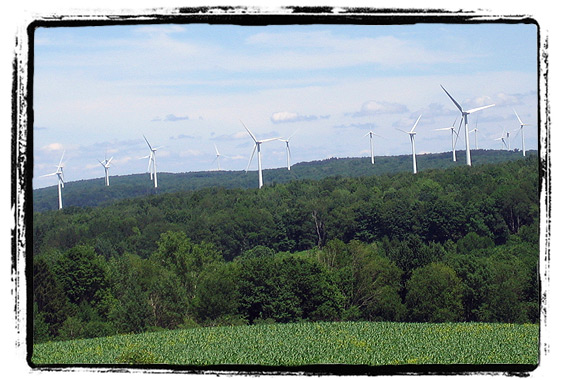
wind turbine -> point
(258, 148)
(370, 134)
(106, 165)
(60, 180)
(287, 141)
(412, 134)
(217, 156)
(454, 136)
(152, 166)
(522, 132)
(503, 139)
(464, 116)
(475, 130)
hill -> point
(446, 245)
(91, 193)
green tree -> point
(217, 296)
(434, 294)
(49, 297)
(376, 285)
(82, 274)
(504, 300)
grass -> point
(366, 343)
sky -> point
(189, 87)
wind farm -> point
(300, 102)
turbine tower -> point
(464, 117)
(60, 180)
(152, 166)
(412, 134)
(522, 132)
(287, 141)
(257, 148)
(106, 165)
(454, 136)
(371, 134)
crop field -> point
(364, 343)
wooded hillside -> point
(455, 244)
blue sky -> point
(186, 87)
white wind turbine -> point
(412, 134)
(454, 136)
(464, 116)
(522, 132)
(106, 165)
(371, 134)
(503, 139)
(152, 166)
(287, 141)
(60, 179)
(258, 148)
(217, 156)
(476, 130)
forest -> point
(446, 245)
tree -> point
(216, 295)
(131, 312)
(376, 285)
(507, 281)
(82, 274)
(49, 297)
(434, 294)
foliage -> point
(339, 248)
(434, 294)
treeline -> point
(91, 193)
(459, 244)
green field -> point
(364, 343)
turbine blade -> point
(293, 133)
(108, 163)
(47, 175)
(479, 108)
(443, 129)
(453, 100)
(267, 140)
(459, 130)
(61, 160)
(147, 142)
(415, 124)
(515, 113)
(248, 131)
(250, 158)
(401, 130)
(217, 153)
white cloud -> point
(52, 147)
(291, 117)
(372, 107)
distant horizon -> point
(460, 160)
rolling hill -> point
(92, 192)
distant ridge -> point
(92, 192)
